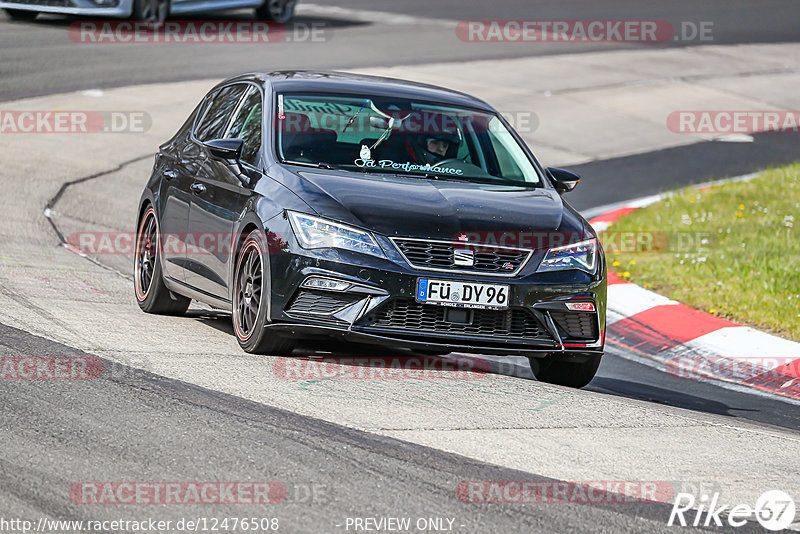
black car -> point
(316, 205)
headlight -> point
(581, 256)
(315, 232)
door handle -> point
(198, 188)
(169, 174)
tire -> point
(154, 11)
(575, 372)
(280, 11)
(21, 14)
(251, 293)
(151, 293)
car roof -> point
(342, 82)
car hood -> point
(436, 209)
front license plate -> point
(463, 294)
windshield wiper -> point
(321, 164)
(333, 167)
(467, 179)
(448, 177)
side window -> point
(247, 125)
(219, 112)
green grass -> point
(732, 250)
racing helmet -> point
(438, 140)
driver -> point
(437, 146)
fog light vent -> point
(307, 302)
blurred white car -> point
(145, 10)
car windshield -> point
(402, 137)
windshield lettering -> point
(406, 167)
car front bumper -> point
(380, 306)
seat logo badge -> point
(463, 237)
(508, 266)
(464, 258)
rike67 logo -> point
(774, 510)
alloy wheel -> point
(154, 11)
(281, 10)
(146, 255)
(249, 286)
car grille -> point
(408, 314)
(576, 325)
(307, 302)
(50, 3)
(439, 255)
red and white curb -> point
(689, 343)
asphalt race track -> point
(178, 401)
(331, 472)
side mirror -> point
(563, 180)
(229, 150)
(225, 148)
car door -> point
(219, 196)
(178, 163)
